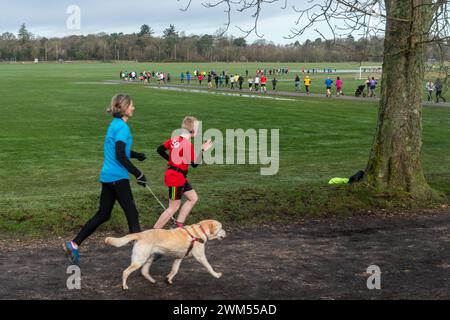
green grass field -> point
(52, 148)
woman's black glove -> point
(137, 155)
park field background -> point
(53, 131)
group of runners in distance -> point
(145, 76)
(259, 82)
(212, 78)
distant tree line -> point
(177, 46)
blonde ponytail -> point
(119, 105)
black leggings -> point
(439, 96)
(121, 191)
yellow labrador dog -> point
(179, 243)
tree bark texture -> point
(395, 160)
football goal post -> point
(365, 71)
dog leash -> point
(154, 195)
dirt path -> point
(324, 259)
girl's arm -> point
(162, 151)
(206, 146)
(195, 165)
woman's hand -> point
(140, 156)
(142, 180)
(207, 145)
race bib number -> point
(175, 144)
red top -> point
(263, 79)
(181, 155)
(200, 77)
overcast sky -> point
(48, 18)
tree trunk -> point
(395, 160)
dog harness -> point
(194, 240)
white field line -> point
(222, 93)
(104, 83)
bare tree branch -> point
(363, 18)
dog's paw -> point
(169, 279)
(125, 287)
(151, 280)
(218, 275)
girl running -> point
(179, 152)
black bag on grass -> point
(357, 177)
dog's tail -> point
(120, 242)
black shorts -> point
(175, 193)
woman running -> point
(114, 175)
